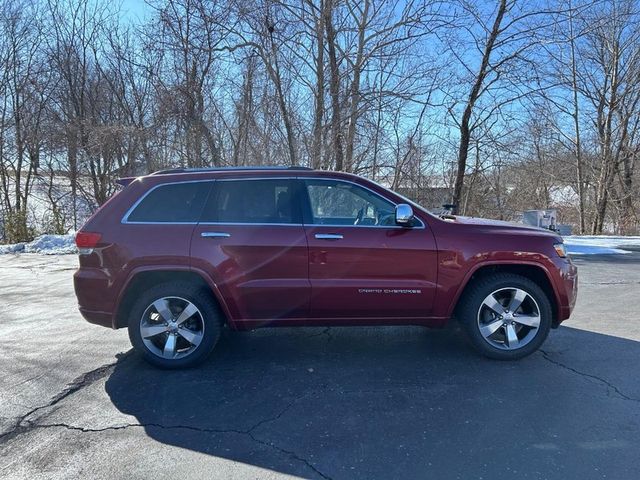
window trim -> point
(307, 201)
(298, 191)
(125, 218)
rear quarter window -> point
(171, 203)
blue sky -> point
(134, 10)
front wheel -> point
(174, 325)
(506, 316)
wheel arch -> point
(144, 278)
(533, 271)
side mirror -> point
(404, 214)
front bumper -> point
(568, 288)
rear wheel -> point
(175, 325)
(506, 316)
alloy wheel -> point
(172, 327)
(508, 318)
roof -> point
(225, 169)
(195, 174)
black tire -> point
(209, 315)
(468, 314)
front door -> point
(251, 241)
(361, 264)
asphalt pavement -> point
(339, 403)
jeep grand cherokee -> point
(178, 254)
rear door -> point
(251, 241)
(361, 264)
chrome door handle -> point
(215, 235)
(328, 236)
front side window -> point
(172, 203)
(252, 201)
(334, 202)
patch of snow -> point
(593, 250)
(45, 245)
(599, 245)
(12, 248)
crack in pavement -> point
(249, 432)
(292, 454)
(604, 382)
(24, 425)
(77, 384)
(31, 379)
(326, 331)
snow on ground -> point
(599, 245)
(12, 248)
(44, 244)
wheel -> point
(506, 316)
(175, 325)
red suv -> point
(177, 254)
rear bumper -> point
(104, 319)
(94, 292)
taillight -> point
(87, 241)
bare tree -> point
(611, 85)
(506, 70)
(24, 82)
(188, 38)
(475, 99)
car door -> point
(251, 241)
(361, 264)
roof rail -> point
(225, 169)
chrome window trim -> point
(125, 217)
(388, 227)
(158, 223)
(253, 178)
(309, 225)
(249, 224)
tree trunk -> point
(629, 219)
(72, 158)
(334, 86)
(316, 148)
(355, 88)
(465, 128)
(274, 70)
(576, 126)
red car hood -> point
(502, 225)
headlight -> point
(560, 250)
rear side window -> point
(252, 201)
(172, 203)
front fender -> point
(511, 265)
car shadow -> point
(397, 402)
